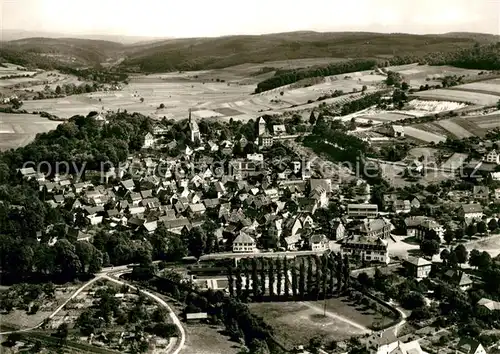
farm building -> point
(397, 131)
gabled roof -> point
(418, 261)
(468, 346)
(472, 208)
(243, 238)
(489, 304)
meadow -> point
(295, 323)
(20, 129)
(456, 95)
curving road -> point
(105, 274)
(182, 333)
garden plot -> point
(423, 135)
(420, 108)
(455, 129)
(458, 96)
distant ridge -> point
(12, 35)
(144, 54)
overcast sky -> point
(196, 18)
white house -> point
(319, 243)
(244, 243)
(418, 267)
(492, 157)
(149, 141)
(470, 212)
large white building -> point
(244, 243)
(367, 250)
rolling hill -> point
(211, 53)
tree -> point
(302, 279)
(444, 255)
(448, 236)
(498, 104)
(481, 227)
(58, 90)
(246, 272)
(346, 269)
(271, 278)
(461, 253)
(255, 278)
(493, 224)
(196, 242)
(429, 247)
(286, 285)
(263, 276)
(471, 230)
(230, 280)
(404, 86)
(474, 258)
(364, 88)
(279, 277)
(459, 233)
(312, 118)
(293, 274)
(142, 99)
(364, 279)
(239, 283)
(484, 261)
(62, 332)
(310, 276)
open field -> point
(19, 129)
(423, 135)
(488, 121)
(418, 75)
(455, 161)
(455, 129)
(456, 95)
(295, 322)
(469, 125)
(489, 86)
(204, 339)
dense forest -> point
(478, 57)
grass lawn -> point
(206, 339)
(295, 323)
(357, 313)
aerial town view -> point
(256, 178)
